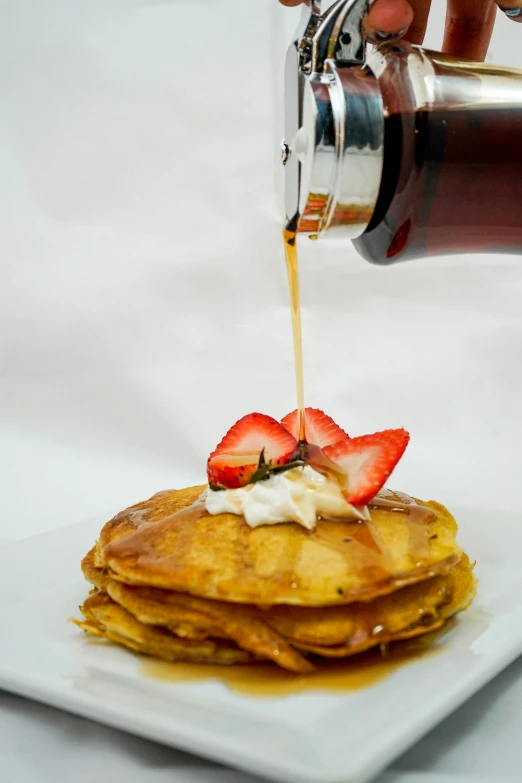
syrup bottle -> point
(406, 152)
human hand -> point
(469, 23)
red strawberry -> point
(368, 461)
(320, 429)
(236, 458)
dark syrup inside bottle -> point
(452, 181)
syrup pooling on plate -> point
(267, 681)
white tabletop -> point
(143, 309)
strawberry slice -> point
(235, 460)
(229, 471)
(368, 461)
(320, 429)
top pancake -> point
(170, 542)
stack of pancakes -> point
(174, 582)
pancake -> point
(279, 633)
(173, 582)
(410, 612)
(106, 619)
(237, 622)
(93, 573)
(170, 542)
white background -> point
(143, 300)
(143, 305)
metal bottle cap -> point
(334, 123)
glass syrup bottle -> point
(406, 152)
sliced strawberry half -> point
(235, 460)
(320, 429)
(368, 462)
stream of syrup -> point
(292, 268)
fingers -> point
(417, 29)
(469, 26)
(469, 23)
(512, 9)
(387, 19)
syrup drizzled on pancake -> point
(358, 541)
(418, 518)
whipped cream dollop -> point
(299, 495)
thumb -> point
(387, 19)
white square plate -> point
(317, 737)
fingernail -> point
(512, 12)
(389, 36)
